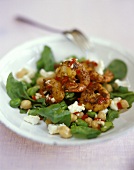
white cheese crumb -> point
(76, 108)
(38, 95)
(72, 66)
(48, 81)
(32, 119)
(122, 83)
(46, 74)
(27, 77)
(114, 102)
(47, 96)
(54, 128)
(52, 99)
(31, 73)
(101, 122)
(104, 111)
(100, 67)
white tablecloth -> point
(108, 19)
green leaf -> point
(128, 95)
(54, 112)
(107, 126)
(118, 68)
(81, 122)
(84, 132)
(47, 60)
(32, 90)
(111, 115)
(16, 89)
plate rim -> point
(15, 129)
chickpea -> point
(21, 73)
(115, 86)
(80, 114)
(95, 124)
(48, 121)
(65, 132)
(101, 116)
(89, 121)
(39, 81)
(109, 87)
(124, 104)
(26, 104)
(73, 117)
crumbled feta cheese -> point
(32, 119)
(54, 128)
(48, 81)
(104, 111)
(47, 97)
(76, 108)
(46, 74)
(52, 99)
(101, 122)
(100, 67)
(31, 73)
(114, 102)
(44, 92)
(72, 66)
(38, 95)
(122, 83)
(27, 77)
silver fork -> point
(75, 35)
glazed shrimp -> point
(95, 97)
(53, 91)
(108, 76)
(105, 78)
(73, 75)
(94, 75)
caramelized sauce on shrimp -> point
(95, 97)
(76, 75)
(81, 78)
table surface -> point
(108, 19)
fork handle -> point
(36, 24)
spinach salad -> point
(76, 97)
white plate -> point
(26, 55)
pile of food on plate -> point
(75, 97)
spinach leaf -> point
(70, 96)
(107, 126)
(118, 68)
(81, 122)
(54, 112)
(39, 103)
(84, 132)
(46, 60)
(111, 115)
(127, 95)
(16, 89)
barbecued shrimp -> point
(94, 75)
(53, 90)
(95, 97)
(108, 76)
(105, 78)
(89, 65)
(73, 75)
(64, 70)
